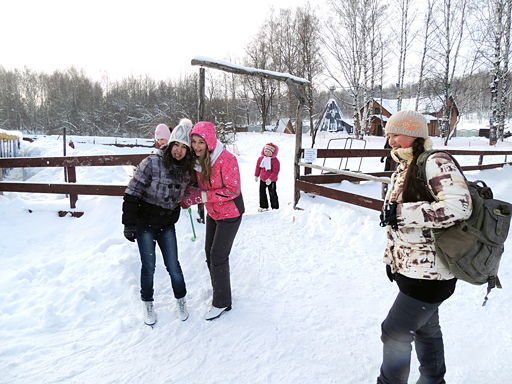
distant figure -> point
(267, 169)
(387, 167)
(387, 164)
(71, 144)
(162, 135)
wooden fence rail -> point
(69, 163)
(308, 182)
(311, 183)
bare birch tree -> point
(310, 62)
(403, 45)
(450, 28)
(505, 86)
(427, 42)
(352, 39)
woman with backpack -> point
(410, 214)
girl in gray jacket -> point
(410, 214)
(151, 207)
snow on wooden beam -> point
(241, 70)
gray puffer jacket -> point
(154, 193)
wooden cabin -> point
(432, 109)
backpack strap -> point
(494, 282)
(421, 162)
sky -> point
(309, 286)
(122, 38)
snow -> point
(249, 70)
(309, 287)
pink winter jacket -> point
(224, 184)
(275, 166)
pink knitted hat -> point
(162, 132)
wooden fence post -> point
(200, 106)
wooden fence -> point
(308, 182)
(312, 183)
(69, 163)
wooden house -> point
(333, 119)
(284, 126)
(432, 109)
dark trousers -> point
(165, 236)
(220, 235)
(274, 202)
(200, 210)
(412, 320)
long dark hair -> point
(186, 164)
(414, 189)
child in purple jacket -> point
(267, 169)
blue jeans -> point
(147, 237)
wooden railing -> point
(311, 183)
(307, 183)
(69, 163)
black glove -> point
(391, 275)
(382, 159)
(388, 215)
(130, 232)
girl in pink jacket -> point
(267, 169)
(218, 177)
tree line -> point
(368, 48)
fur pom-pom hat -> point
(409, 123)
(269, 147)
(162, 132)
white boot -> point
(215, 312)
(181, 307)
(149, 313)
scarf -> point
(266, 163)
(406, 153)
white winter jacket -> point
(410, 250)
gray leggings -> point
(412, 320)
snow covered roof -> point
(10, 135)
(425, 105)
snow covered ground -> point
(309, 288)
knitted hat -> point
(162, 132)
(269, 147)
(181, 134)
(409, 123)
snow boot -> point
(262, 209)
(149, 313)
(181, 307)
(215, 312)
